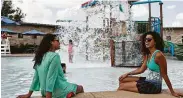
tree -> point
(7, 9)
(18, 15)
(14, 14)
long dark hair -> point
(158, 40)
(44, 47)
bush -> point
(23, 48)
(179, 51)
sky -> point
(48, 11)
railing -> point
(5, 46)
(125, 53)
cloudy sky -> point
(48, 11)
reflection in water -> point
(17, 75)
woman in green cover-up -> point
(49, 76)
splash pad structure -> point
(153, 24)
(105, 32)
(100, 21)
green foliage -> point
(7, 9)
(18, 15)
(179, 51)
(166, 44)
(23, 48)
(142, 27)
(12, 13)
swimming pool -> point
(17, 73)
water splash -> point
(100, 23)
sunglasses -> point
(148, 39)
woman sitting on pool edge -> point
(155, 61)
(49, 76)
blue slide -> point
(170, 48)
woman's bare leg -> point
(79, 89)
(129, 86)
(69, 58)
(129, 79)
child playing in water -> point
(70, 51)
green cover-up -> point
(49, 77)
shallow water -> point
(17, 73)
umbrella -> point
(33, 32)
(7, 21)
(8, 31)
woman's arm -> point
(26, 95)
(76, 45)
(35, 86)
(141, 69)
(30, 93)
(161, 61)
(137, 71)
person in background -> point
(70, 51)
(155, 61)
(63, 67)
(48, 75)
(3, 38)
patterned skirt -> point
(148, 87)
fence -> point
(5, 46)
(125, 53)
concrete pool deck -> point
(17, 55)
(123, 94)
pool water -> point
(17, 74)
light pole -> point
(161, 18)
